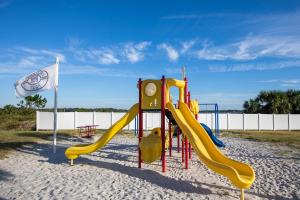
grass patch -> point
(17, 122)
(10, 140)
(291, 138)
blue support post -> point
(217, 130)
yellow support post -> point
(242, 194)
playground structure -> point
(215, 140)
(195, 108)
(216, 114)
(154, 95)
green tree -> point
(274, 101)
(9, 109)
(252, 106)
(294, 98)
(33, 102)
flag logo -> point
(35, 81)
(43, 79)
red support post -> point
(178, 133)
(178, 140)
(163, 129)
(189, 99)
(185, 91)
(140, 128)
(186, 140)
(182, 147)
(189, 104)
(190, 151)
(186, 153)
(170, 139)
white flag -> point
(43, 79)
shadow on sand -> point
(5, 175)
(153, 177)
(150, 176)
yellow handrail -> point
(170, 82)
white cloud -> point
(274, 35)
(100, 71)
(269, 81)
(42, 52)
(283, 82)
(9, 69)
(186, 45)
(106, 57)
(289, 85)
(134, 52)
(291, 81)
(254, 66)
(201, 16)
(171, 52)
(61, 57)
(23, 61)
(103, 56)
(252, 48)
(208, 54)
(82, 55)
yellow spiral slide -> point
(240, 174)
(75, 151)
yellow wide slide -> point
(240, 174)
(75, 151)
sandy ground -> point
(34, 172)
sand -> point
(34, 172)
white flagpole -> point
(55, 105)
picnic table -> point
(87, 131)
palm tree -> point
(252, 106)
(274, 102)
(294, 99)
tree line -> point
(274, 102)
(26, 106)
(267, 102)
(22, 115)
(30, 104)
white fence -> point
(104, 120)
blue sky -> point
(231, 49)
